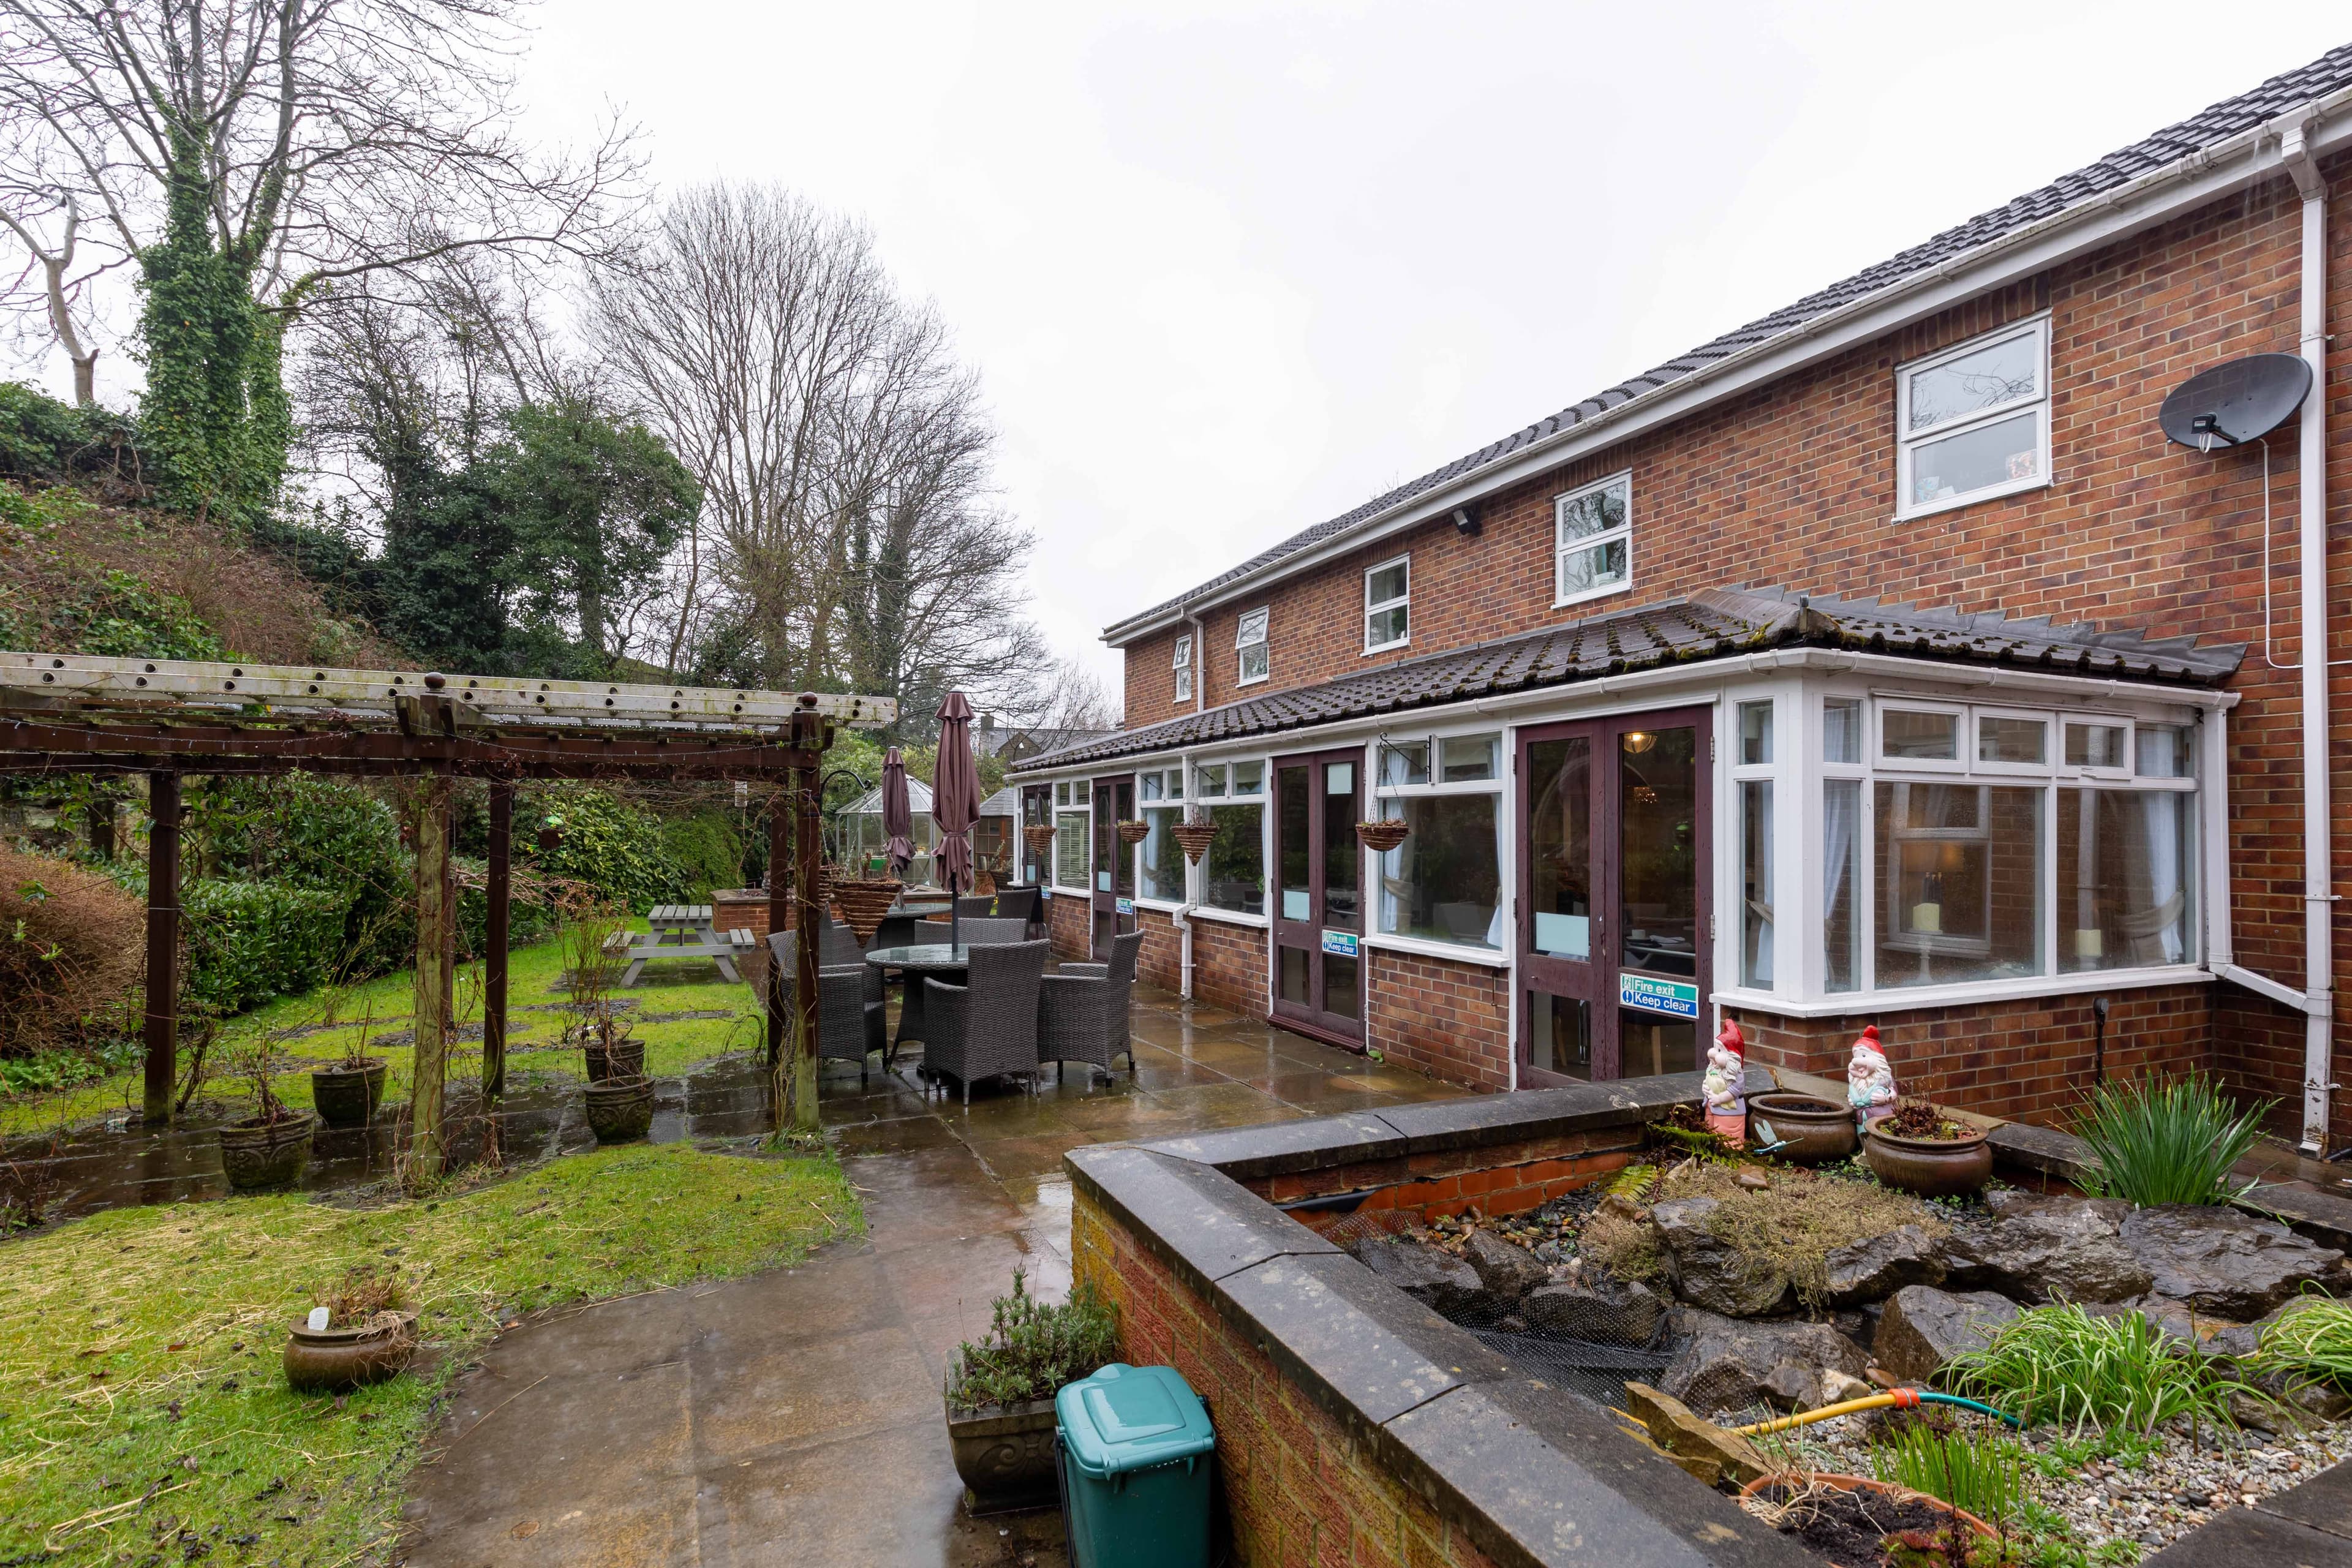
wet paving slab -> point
(795, 1416)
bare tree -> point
(847, 536)
(326, 139)
(1070, 696)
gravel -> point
(2146, 1503)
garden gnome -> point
(1725, 1086)
(1869, 1081)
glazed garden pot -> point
(620, 1109)
(625, 1059)
(1005, 1455)
(347, 1096)
(1929, 1167)
(272, 1155)
(1816, 1130)
(336, 1361)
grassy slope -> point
(683, 986)
(141, 1404)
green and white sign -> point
(1675, 998)
(1341, 943)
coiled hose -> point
(1898, 1399)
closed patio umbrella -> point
(897, 818)
(955, 802)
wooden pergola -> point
(67, 714)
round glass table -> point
(919, 963)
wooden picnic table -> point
(682, 930)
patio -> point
(795, 1416)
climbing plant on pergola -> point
(68, 713)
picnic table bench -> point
(681, 931)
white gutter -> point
(2296, 153)
(2203, 176)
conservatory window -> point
(1444, 882)
(1232, 871)
(1959, 868)
(1161, 791)
(1753, 759)
(1073, 833)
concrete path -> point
(794, 1417)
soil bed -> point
(1849, 1527)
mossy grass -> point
(143, 1407)
(320, 1029)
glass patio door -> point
(1113, 868)
(1613, 911)
(1319, 975)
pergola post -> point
(436, 979)
(807, 851)
(494, 957)
(162, 1031)
(780, 904)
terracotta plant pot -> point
(257, 1155)
(1133, 832)
(348, 1095)
(1929, 1167)
(1383, 836)
(1194, 839)
(863, 904)
(626, 1058)
(620, 1109)
(1039, 836)
(1816, 1130)
(1843, 1483)
(1005, 1455)
(336, 1361)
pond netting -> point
(1552, 1313)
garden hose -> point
(1898, 1399)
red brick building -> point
(1880, 662)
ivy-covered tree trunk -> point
(214, 409)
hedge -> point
(249, 941)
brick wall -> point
(1794, 484)
(1438, 1017)
(1299, 1488)
(1502, 1178)
(1069, 925)
(1228, 966)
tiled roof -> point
(1715, 623)
(2229, 118)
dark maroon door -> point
(1114, 861)
(1318, 923)
(1613, 904)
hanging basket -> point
(1195, 838)
(864, 903)
(549, 840)
(1383, 836)
(1040, 836)
(1133, 832)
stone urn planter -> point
(1928, 1167)
(347, 1094)
(620, 1109)
(257, 1153)
(864, 903)
(1383, 835)
(621, 1058)
(1814, 1130)
(1005, 1455)
(336, 1361)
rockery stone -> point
(1507, 1270)
(1924, 1328)
(2221, 1263)
(1423, 1272)
(1878, 1265)
(1601, 1309)
(1710, 1272)
(2047, 1249)
(1728, 1364)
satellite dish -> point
(2235, 402)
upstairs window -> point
(1184, 669)
(1249, 639)
(1388, 599)
(1593, 544)
(1973, 422)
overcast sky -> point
(1227, 268)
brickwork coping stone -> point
(2321, 1217)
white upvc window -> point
(1161, 865)
(1972, 422)
(1388, 601)
(1249, 642)
(1073, 835)
(1183, 664)
(1444, 883)
(1593, 541)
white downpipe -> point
(1183, 919)
(2318, 881)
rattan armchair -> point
(849, 1021)
(1082, 1009)
(988, 1025)
(1018, 903)
(967, 907)
(992, 931)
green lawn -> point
(144, 1414)
(319, 1028)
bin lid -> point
(1127, 1418)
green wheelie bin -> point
(1134, 1445)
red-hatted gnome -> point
(1724, 1087)
(1869, 1081)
